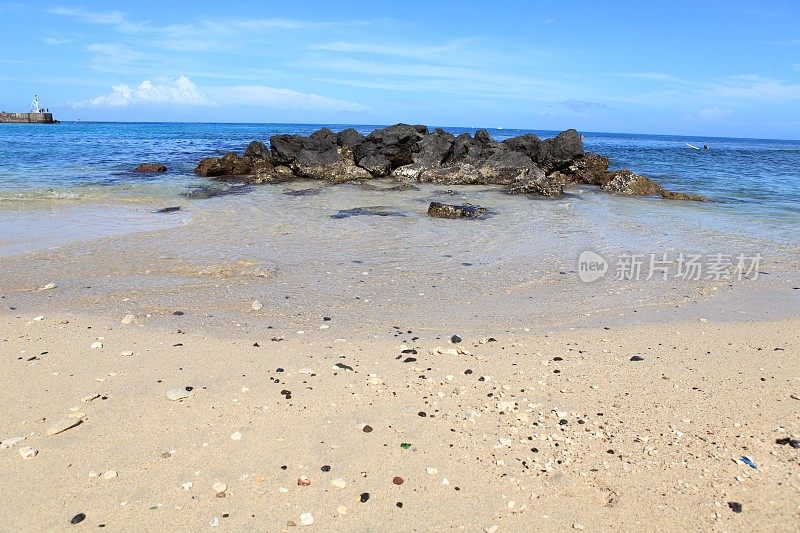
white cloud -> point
(713, 113)
(263, 96)
(56, 41)
(182, 92)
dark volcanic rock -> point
(229, 165)
(505, 167)
(378, 211)
(376, 164)
(673, 195)
(203, 193)
(527, 144)
(349, 137)
(432, 150)
(465, 150)
(439, 210)
(627, 182)
(560, 151)
(150, 167)
(396, 143)
(256, 150)
(482, 137)
(453, 174)
(284, 148)
(171, 209)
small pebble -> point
(341, 509)
(306, 519)
(637, 358)
(78, 518)
(397, 480)
(219, 487)
(431, 471)
(367, 429)
(736, 507)
(364, 497)
(303, 481)
(236, 436)
(110, 474)
(27, 452)
(257, 306)
(339, 483)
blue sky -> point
(703, 68)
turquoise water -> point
(754, 178)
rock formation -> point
(411, 154)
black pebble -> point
(563, 422)
(326, 319)
(399, 504)
(736, 507)
(326, 468)
(423, 414)
(455, 339)
(78, 518)
(178, 313)
(189, 389)
(794, 443)
(637, 358)
(343, 366)
(409, 360)
(364, 497)
(255, 345)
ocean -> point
(80, 173)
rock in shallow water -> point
(439, 210)
(150, 167)
(378, 211)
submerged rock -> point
(439, 210)
(378, 211)
(150, 167)
(673, 195)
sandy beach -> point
(218, 372)
(402, 431)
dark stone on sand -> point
(171, 209)
(364, 497)
(637, 358)
(150, 167)
(794, 443)
(736, 507)
(673, 195)
(378, 211)
(439, 210)
(78, 518)
(455, 339)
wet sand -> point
(295, 331)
